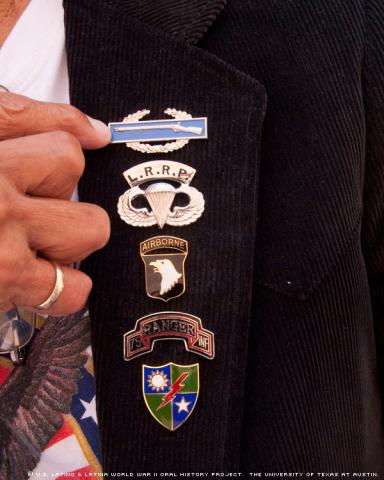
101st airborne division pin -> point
(164, 259)
(160, 195)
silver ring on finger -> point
(57, 289)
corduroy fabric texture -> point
(295, 383)
(373, 226)
(186, 20)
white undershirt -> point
(32, 59)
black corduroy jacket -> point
(286, 265)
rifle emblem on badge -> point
(181, 128)
(160, 195)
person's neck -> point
(10, 11)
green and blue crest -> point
(170, 392)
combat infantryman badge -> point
(164, 259)
(160, 194)
(182, 128)
(170, 392)
(169, 326)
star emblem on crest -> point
(182, 406)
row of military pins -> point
(170, 391)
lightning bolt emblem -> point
(176, 387)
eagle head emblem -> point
(168, 272)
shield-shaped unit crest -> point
(170, 392)
(164, 259)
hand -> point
(41, 162)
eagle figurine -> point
(35, 396)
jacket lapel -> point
(119, 65)
(187, 20)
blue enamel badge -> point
(159, 130)
(179, 129)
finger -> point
(46, 165)
(27, 280)
(21, 116)
(64, 231)
(38, 282)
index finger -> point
(21, 116)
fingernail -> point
(101, 128)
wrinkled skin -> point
(41, 161)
